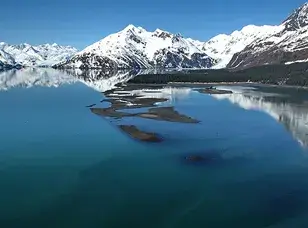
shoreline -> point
(217, 83)
(235, 83)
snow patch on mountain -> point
(297, 61)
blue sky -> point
(80, 23)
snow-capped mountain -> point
(288, 44)
(222, 47)
(134, 47)
(28, 55)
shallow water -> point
(63, 166)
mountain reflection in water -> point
(48, 77)
(292, 113)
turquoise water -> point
(62, 166)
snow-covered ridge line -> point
(135, 47)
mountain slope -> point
(222, 47)
(6, 58)
(134, 47)
(288, 44)
(28, 55)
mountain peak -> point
(298, 19)
(130, 27)
(158, 30)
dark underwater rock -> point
(207, 158)
(194, 158)
(136, 133)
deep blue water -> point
(63, 166)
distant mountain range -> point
(27, 55)
(136, 48)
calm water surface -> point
(63, 166)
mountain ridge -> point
(135, 47)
